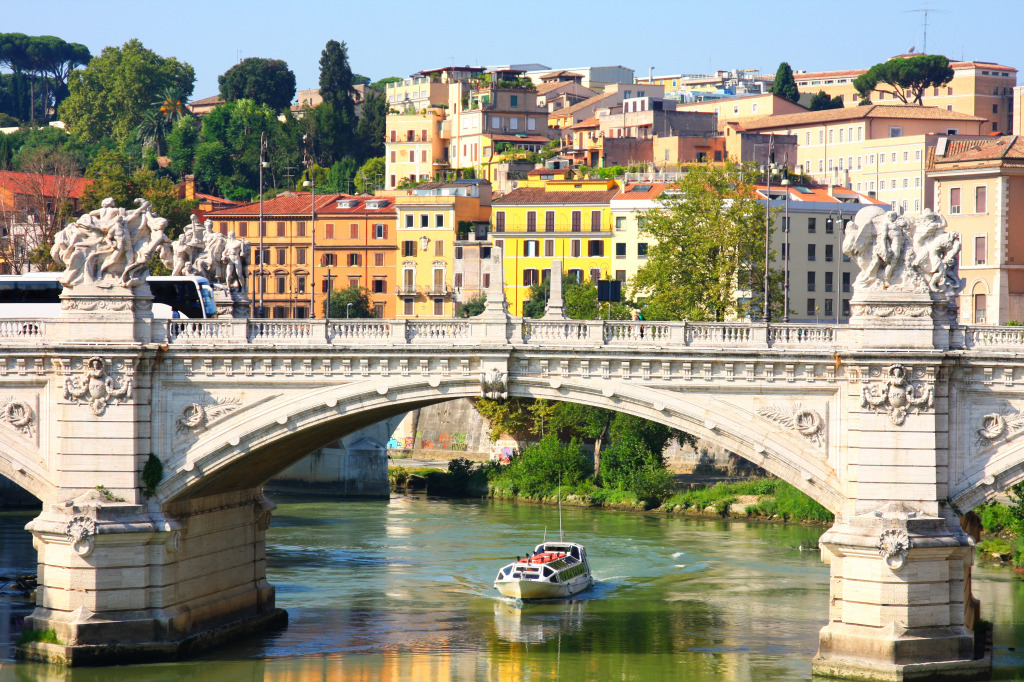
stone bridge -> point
(899, 423)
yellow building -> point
(879, 149)
(413, 149)
(567, 220)
(979, 188)
(428, 219)
(981, 89)
(745, 108)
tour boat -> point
(555, 569)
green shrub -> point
(994, 546)
(1018, 553)
(536, 472)
(651, 484)
(398, 477)
(995, 517)
(47, 636)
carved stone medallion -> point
(494, 385)
(95, 387)
(19, 415)
(81, 530)
(807, 423)
(996, 426)
(893, 545)
(896, 395)
(196, 416)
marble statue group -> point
(111, 247)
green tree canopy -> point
(372, 126)
(337, 79)
(906, 77)
(264, 81)
(707, 262)
(822, 101)
(48, 60)
(112, 177)
(370, 175)
(472, 307)
(785, 84)
(110, 96)
(382, 84)
(340, 300)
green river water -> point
(401, 590)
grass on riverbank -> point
(46, 636)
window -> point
(300, 229)
(807, 141)
(895, 131)
(828, 281)
(980, 305)
(575, 248)
(620, 223)
(549, 221)
(439, 220)
(840, 135)
(439, 306)
(577, 220)
(821, 136)
(828, 307)
(326, 285)
(263, 229)
(300, 256)
(906, 156)
(828, 253)
(380, 231)
(409, 248)
(812, 225)
(513, 100)
(263, 257)
(353, 259)
(530, 276)
(438, 248)
(892, 157)
(424, 220)
(378, 260)
(831, 136)
(530, 248)
(531, 221)
(595, 274)
(329, 231)
(595, 248)
(458, 253)
(620, 250)
(353, 231)
(811, 308)
(458, 280)
(641, 250)
(499, 221)
(846, 282)
(821, 165)
(394, 155)
(906, 183)
(329, 260)
(282, 284)
(549, 248)
(282, 256)
(829, 225)
(980, 249)
(407, 306)
(810, 281)
(954, 200)
(810, 252)
(785, 256)
(280, 229)
(980, 199)
(917, 181)
(409, 220)
(595, 221)
(300, 284)
(487, 280)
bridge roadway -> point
(899, 423)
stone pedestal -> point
(899, 320)
(119, 584)
(897, 599)
(233, 303)
(105, 314)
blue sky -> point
(397, 38)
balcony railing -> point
(406, 289)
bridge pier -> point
(121, 584)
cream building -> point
(878, 149)
(414, 149)
(629, 247)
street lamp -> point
(263, 164)
(785, 248)
(311, 183)
(836, 224)
(768, 228)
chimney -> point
(190, 187)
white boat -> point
(555, 569)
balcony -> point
(437, 290)
(406, 290)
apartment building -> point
(596, 78)
(807, 242)
(429, 220)
(569, 220)
(610, 97)
(355, 245)
(980, 89)
(414, 149)
(427, 88)
(877, 148)
(744, 108)
(629, 246)
(979, 188)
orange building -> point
(355, 245)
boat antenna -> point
(561, 535)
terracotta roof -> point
(298, 204)
(51, 185)
(547, 171)
(517, 138)
(819, 193)
(569, 111)
(539, 195)
(896, 111)
(591, 122)
(218, 200)
(816, 75)
(980, 65)
(1003, 148)
(207, 101)
(630, 193)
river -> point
(401, 590)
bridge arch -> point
(248, 448)
(996, 473)
(20, 464)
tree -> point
(382, 84)
(110, 96)
(111, 176)
(341, 300)
(472, 307)
(708, 259)
(336, 79)
(785, 84)
(907, 77)
(822, 101)
(372, 126)
(360, 79)
(265, 81)
(182, 141)
(370, 175)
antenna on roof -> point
(925, 11)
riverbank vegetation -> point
(1003, 529)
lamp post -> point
(837, 226)
(263, 164)
(768, 229)
(785, 248)
(311, 183)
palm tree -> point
(171, 105)
(152, 130)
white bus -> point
(37, 295)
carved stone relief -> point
(807, 423)
(997, 426)
(893, 546)
(197, 416)
(95, 387)
(896, 395)
(81, 531)
(19, 415)
(494, 385)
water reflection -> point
(402, 590)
